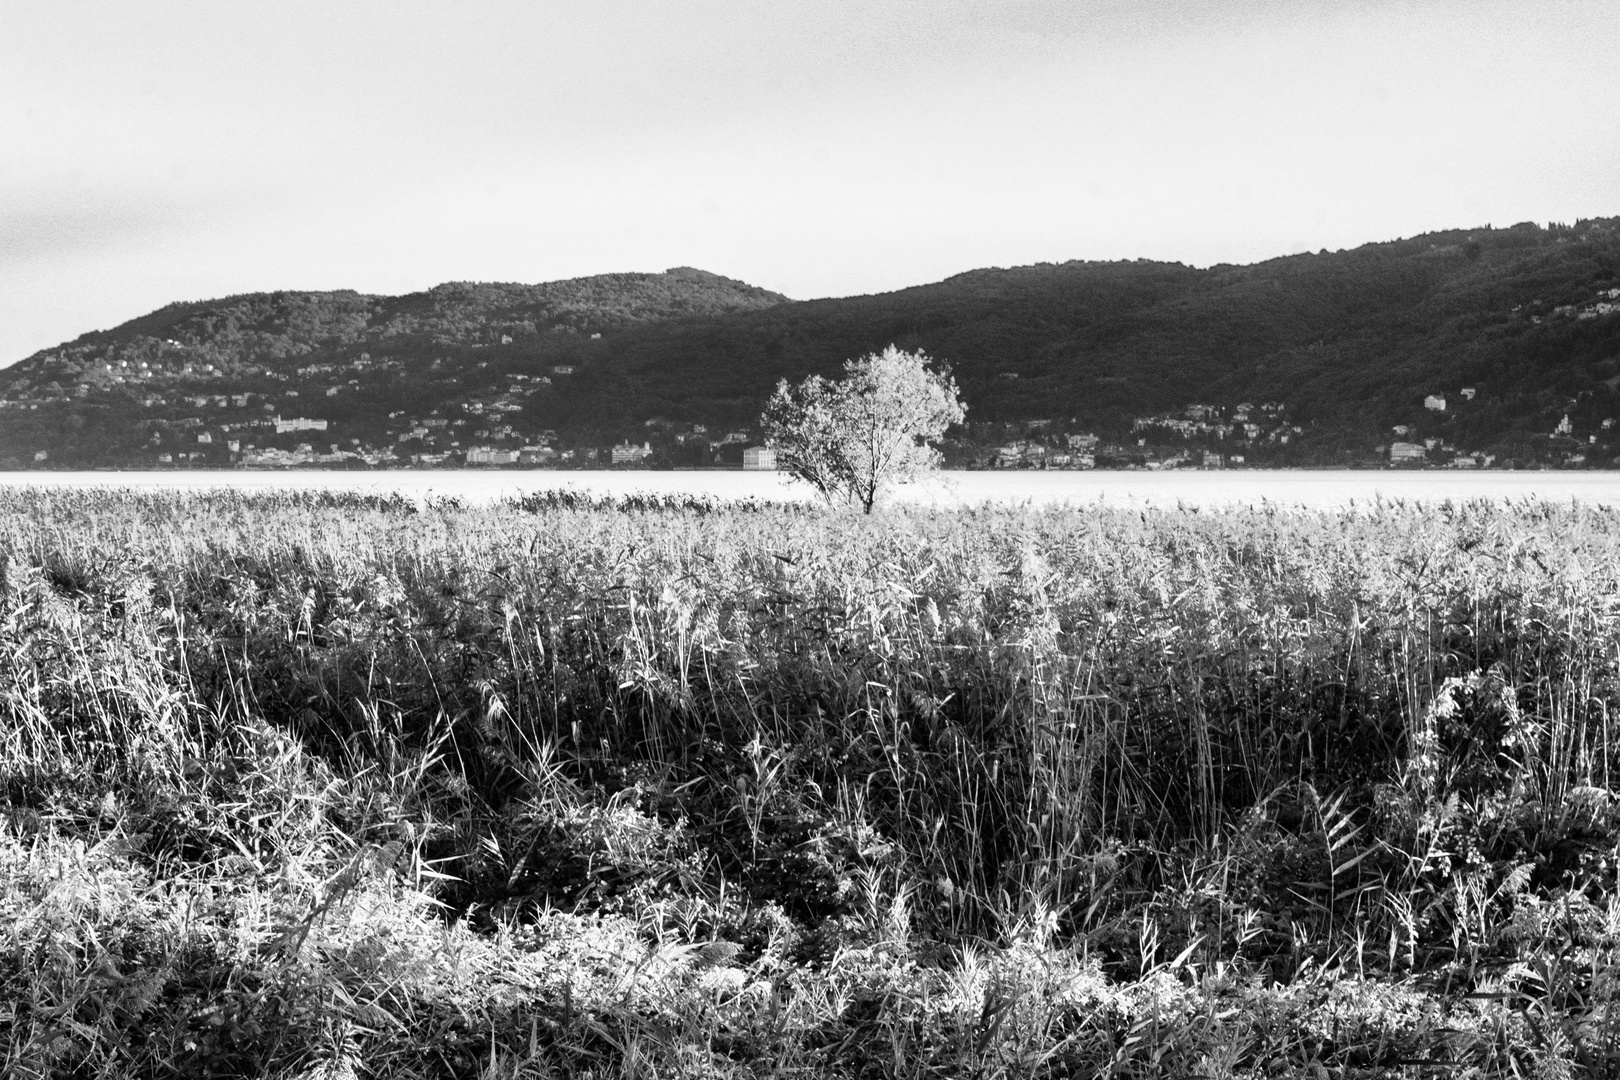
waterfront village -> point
(244, 430)
(184, 408)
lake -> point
(1317, 490)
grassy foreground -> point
(327, 786)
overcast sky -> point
(183, 149)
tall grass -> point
(315, 784)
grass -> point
(323, 785)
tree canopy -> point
(853, 438)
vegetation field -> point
(335, 785)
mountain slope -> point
(1351, 342)
(240, 330)
(1091, 339)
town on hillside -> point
(188, 424)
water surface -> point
(1282, 487)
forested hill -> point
(1350, 342)
(283, 325)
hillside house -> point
(536, 455)
(1564, 426)
(298, 423)
(759, 458)
(1017, 454)
(1468, 393)
(1435, 403)
(562, 369)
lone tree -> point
(853, 438)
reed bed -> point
(325, 785)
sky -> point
(187, 149)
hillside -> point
(1344, 346)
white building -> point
(630, 454)
(298, 423)
(1435, 403)
(761, 458)
(484, 455)
(1405, 451)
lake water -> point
(1287, 488)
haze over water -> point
(1312, 490)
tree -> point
(854, 438)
